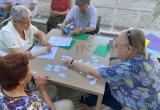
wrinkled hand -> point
(76, 31)
(41, 82)
(67, 62)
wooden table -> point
(75, 79)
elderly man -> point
(83, 16)
(135, 81)
(19, 34)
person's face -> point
(83, 7)
(24, 24)
(122, 47)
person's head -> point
(21, 17)
(82, 4)
(130, 43)
(14, 71)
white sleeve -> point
(9, 40)
(34, 29)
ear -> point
(129, 48)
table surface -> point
(74, 79)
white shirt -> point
(27, 3)
(3, 3)
(10, 38)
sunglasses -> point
(129, 35)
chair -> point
(97, 26)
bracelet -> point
(71, 62)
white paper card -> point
(62, 75)
(60, 41)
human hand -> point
(40, 82)
(67, 62)
(76, 31)
(49, 48)
(55, 13)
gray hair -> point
(138, 40)
(19, 12)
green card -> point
(71, 45)
(102, 50)
(81, 36)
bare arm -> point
(82, 67)
(82, 30)
(42, 37)
(41, 84)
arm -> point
(82, 67)
(32, 6)
(41, 84)
(41, 37)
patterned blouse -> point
(31, 102)
(135, 83)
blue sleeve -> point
(114, 73)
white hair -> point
(18, 12)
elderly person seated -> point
(30, 4)
(59, 9)
(135, 81)
(14, 96)
(19, 34)
(82, 16)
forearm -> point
(88, 29)
(42, 38)
(85, 68)
(63, 13)
(47, 100)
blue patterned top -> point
(31, 102)
(135, 83)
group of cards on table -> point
(60, 69)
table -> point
(73, 78)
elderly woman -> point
(135, 81)
(19, 34)
(14, 96)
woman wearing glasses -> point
(135, 81)
(19, 34)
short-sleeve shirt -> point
(60, 5)
(10, 38)
(32, 102)
(82, 20)
(27, 3)
(135, 83)
(3, 3)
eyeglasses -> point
(129, 37)
(116, 45)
